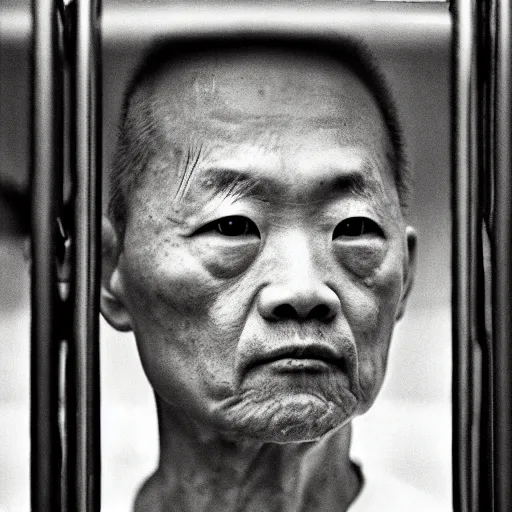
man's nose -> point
(298, 291)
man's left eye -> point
(235, 225)
(356, 226)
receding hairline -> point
(167, 61)
(253, 84)
(167, 58)
(205, 95)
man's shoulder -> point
(383, 492)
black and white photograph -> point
(255, 256)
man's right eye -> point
(235, 225)
(356, 227)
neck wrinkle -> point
(200, 470)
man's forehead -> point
(254, 87)
(261, 110)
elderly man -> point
(257, 247)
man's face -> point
(265, 258)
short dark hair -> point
(137, 138)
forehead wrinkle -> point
(201, 171)
(226, 183)
(230, 184)
(183, 117)
(174, 120)
(193, 155)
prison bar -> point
(79, 489)
(386, 23)
(84, 459)
(502, 255)
(482, 184)
(465, 246)
(46, 179)
(173, 21)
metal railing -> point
(66, 98)
(46, 162)
(482, 292)
(65, 468)
(501, 246)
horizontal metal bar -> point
(388, 23)
(403, 24)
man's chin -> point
(285, 417)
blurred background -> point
(408, 431)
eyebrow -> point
(232, 183)
(236, 183)
(354, 182)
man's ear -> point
(410, 269)
(112, 298)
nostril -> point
(298, 301)
(319, 312)
(285, 311)
(288, 312)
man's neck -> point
(200, 471)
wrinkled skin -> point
(265, 258)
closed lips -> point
(318, 352)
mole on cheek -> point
(369, 281)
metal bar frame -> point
(409, 22)
(46, 177)
(501, 242)
(465, 181)
(65, 466)
(386, 22)
(467, 174)
(482, 193)
(84, 464)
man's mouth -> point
(312, 358)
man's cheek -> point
(373, 348)
(370, 311)
(225, 258)
(361, 259)
(213, 360)
(371, 375)
(171, 280)
(175, 297)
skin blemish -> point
(369, 282)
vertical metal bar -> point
(46, 164)
(502, 259)
(85, 346)
(486, 76)
(465, 248)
